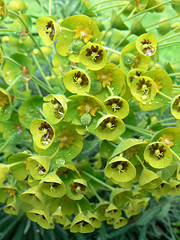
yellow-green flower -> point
(83, 33)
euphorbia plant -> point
(87, 122)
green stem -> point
(31, 36)
(50, 5)
(110, 90)
(166, 38)
(148, 9)
(7, 142)
(164, 95)
(13, 83)
(112, 50)
(8, 30)
(138, 158)
(113, 6)
(99, 181)
(95, 193)
(41, 84)
(169, 124)
(174, 74)
(79, 208)
(95, 5)
(124, 38)
(42, 113)
(175, 154)
(172, 31)
(170, 44)
(154, 24)
(107, 30)
(139, 130)
(38, 90)
(14, 164)
(41, 71)
(167, 119)
(11, 60)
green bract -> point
(23, 70)
(120, 170)
(75, 33)
(40, 216)
(117, 22)
(38, 166)
(146, 44)
(43, 133)
(34, 197)
(55, 108)
(76, 189)
(3, 8)
(52, 185)
(117, 106)
(149, 179)
(4, 169)
(175, 107)
(164, 84)
(29, 110)
(164, 27)
(158, 155)
(133, 74)
(130, 58)
(93, 56)
(77, 81)
(48, 29)
(81, 224)
(143, 89)
(18, 165)
(109, 127)
(5, 105)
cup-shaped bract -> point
(59, 217)
(3, 8)
(77, 81)
(175, 187)
(162, 189)
(48, 29)
(12, 208)
(17, 6)
(143, 88)
(158, 155)
(117, 22)
(40, 216)
(140, 5)
(117, 106)
(55, 108)
(76, 189)
(146, 44)
(94, 219)
(100, 210)
(176, 6)
(119, 222)
(34, 197)
(82, 224)
(120, 196)
(164, 84)
(67, 172)
(7, 192)
(93, 56)
(23, 69)
(175, 107)
(164, 26)
(76, 31)
(133, 74)
(130, 58)
(52, 185)
(38, 166)
(4, 170)
(29, 110)
(137, 27)
(109, 127)
(43, 133)
(5, 105)
(120, 170)
(112, 211)
(149, 179)
(18, 165)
